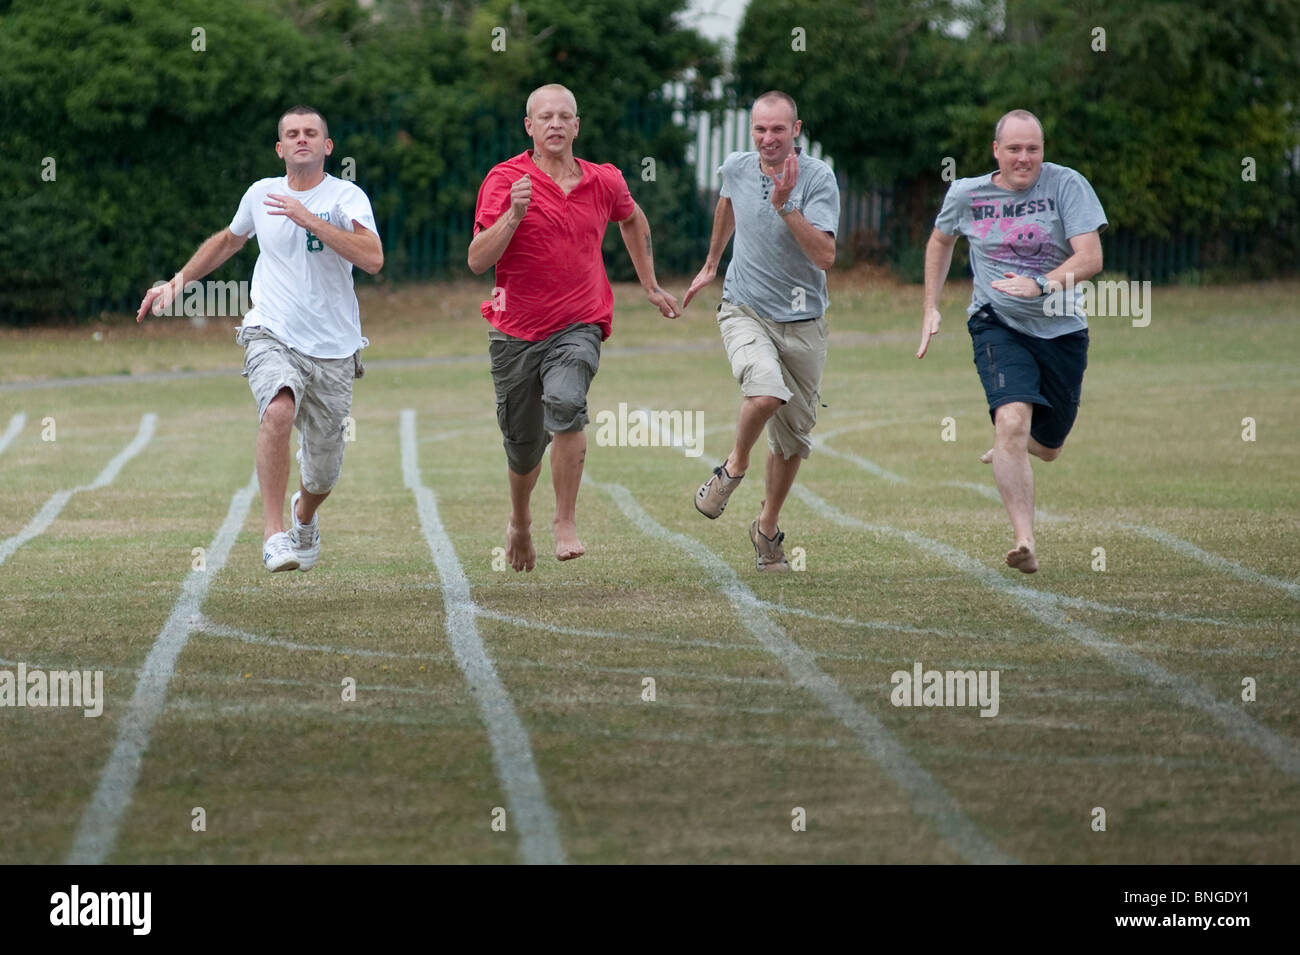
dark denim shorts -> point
(1045, 372)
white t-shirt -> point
(302, 289)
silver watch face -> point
(788, 207)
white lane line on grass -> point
(210, 628)
(102, 818)
(1188, 549)
(925, 795)
(1174, 543)
(1280, 750)
(524, 622)
(50, 510)
(197, 709)
(511, 751)
(870, 467)
(15, 425)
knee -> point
(279, 414)
(1047, 454)
(767, 404)
(1011, 423)
(565, 412)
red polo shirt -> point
(551, 275)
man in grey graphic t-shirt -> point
(1031, 225)
(784, 207)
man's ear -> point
(329, 146)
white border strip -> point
(512, 753)
(100, 822)
(925, 795)
(51, 509)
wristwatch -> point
(1043, 284)
(786, 209)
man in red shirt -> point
(552, 305)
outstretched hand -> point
(666, 304)
(702, 280)
(156, 300)
(929, 328)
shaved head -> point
(549, 88)
(775, 97)
(1022, 114)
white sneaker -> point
(304, 538)
(278, 554)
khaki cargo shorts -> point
(783, 360)
(322, 399)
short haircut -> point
(1015, 114)
(786, 98)
(301, 110)
(549, 88)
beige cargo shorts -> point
(784, 360)
(322, 399)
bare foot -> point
(987, 457)
(1023, 558)
(567, 545)
(519, 547)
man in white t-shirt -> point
(302, 337)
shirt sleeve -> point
(821, 203)
(243, 224)
(1081, 210)
(354, 207)
(948, 221)
(621, 202)
(493, 200)
(724, 174)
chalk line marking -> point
(15, 426)
(512, 753)
(1280, 750)
(50, 510)
(102, 818)
(926, 797)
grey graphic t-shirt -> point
(1027, 233)
(769, 270)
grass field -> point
(478, 688)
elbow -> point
(475, 266)
(827, 260)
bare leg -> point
(307, 504)
(754, 414)
(519, 539)
(272, 457)
(1015, 480)
(1036, 449)
(779, 480)
(568, 452)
